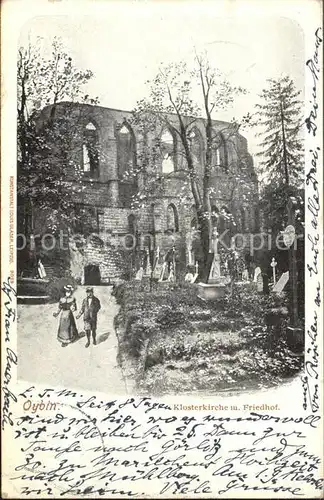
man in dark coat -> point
(90, 308)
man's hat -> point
(68, 288)
(89, 289)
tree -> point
(48, 174)
(171, 105)
(273, 204)
(279, 113)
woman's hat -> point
(68, 288)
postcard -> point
(162, 249)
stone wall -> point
(106, 191)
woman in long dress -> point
(67, 330)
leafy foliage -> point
(46, 142)
(55, 287)
(273, 204)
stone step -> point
(33, 299)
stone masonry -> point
(165, 221)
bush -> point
(168, 318)
(118, 291)
(131, 319)
(55, 288)
(135, 340)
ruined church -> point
(116, 234)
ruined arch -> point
(220, 153)
(90, 150)
(172, 218)
(126, 163)
(168, 151)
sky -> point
(125, 45)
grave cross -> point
(148, 270)
(189, 248)
(274, 265)
(157, 256)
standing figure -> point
(90, 308)
(67, 331)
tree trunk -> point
(202, 204)
(204, 235)
(284, 144)
(206, 186)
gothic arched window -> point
(196, 144)
(168, 149)
(90, 156)
(126, 162)
(172, 219)
(220, 152)
(125, 151)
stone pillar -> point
(113, 193)
(157, 226)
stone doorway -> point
(92, 275)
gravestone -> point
(139, 274)
(257, 272)
(164, 265)
(281, 283)
(148, 268)
(245, 275)
(215, 287)
(157, 271)
(215, 269)
(259, 283)
(157, 268)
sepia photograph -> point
(160, 214)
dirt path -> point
(43, 360)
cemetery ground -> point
(173, 342)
